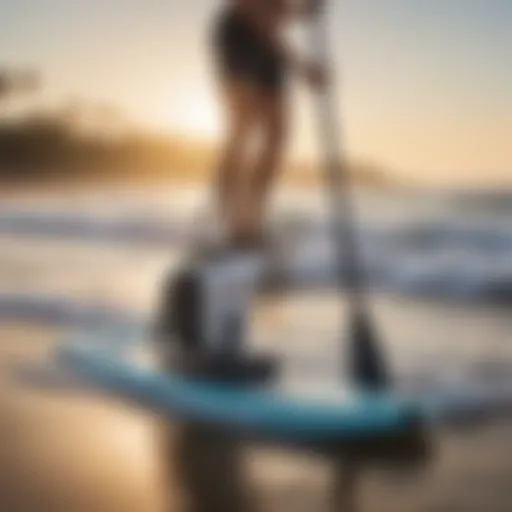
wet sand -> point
(64, 449)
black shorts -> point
(242, 54)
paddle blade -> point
(368, 366)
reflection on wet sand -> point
(64, 449)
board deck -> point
(264, 411)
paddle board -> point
(263, 411)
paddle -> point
(367, 365)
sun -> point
(200, 117)
(193, 115)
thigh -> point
(242, 104)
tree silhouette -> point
(15, 81)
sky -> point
(424, 85)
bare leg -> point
(273, 135)
(241, 105)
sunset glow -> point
(198, 116)
(426, 85)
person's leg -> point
(273, 130)
(241, 105)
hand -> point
(316, 75)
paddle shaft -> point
(368, 367)
(342, 222)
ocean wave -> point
(91, 228)
(417, 275)
(64, 312)
(437, 250)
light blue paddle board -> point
(265, 412)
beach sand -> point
(65, 449)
